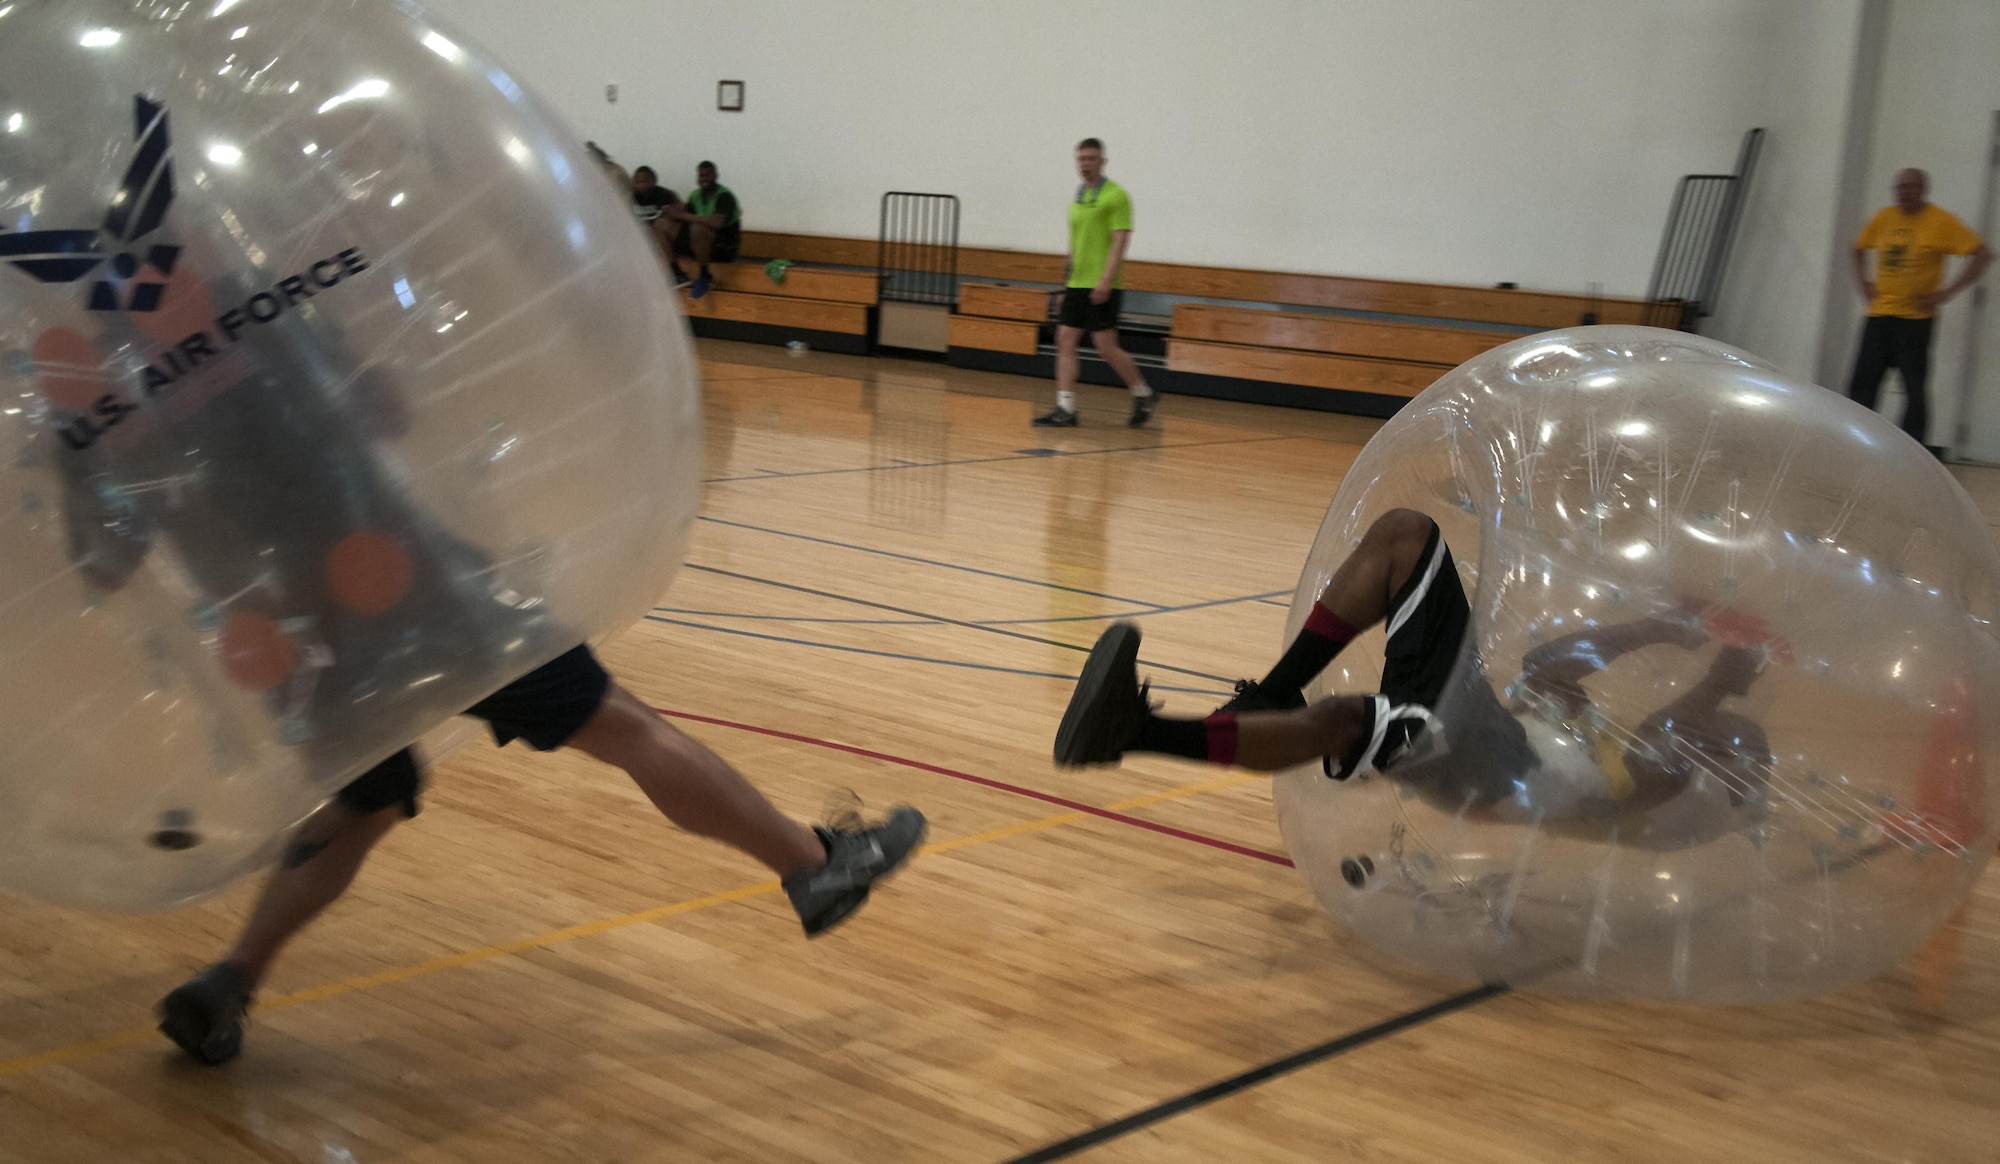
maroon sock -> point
(1318, 642)
(1221, 728)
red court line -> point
(988, 782)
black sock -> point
(1319, 641)
(1173, 737)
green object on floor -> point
(776, 269)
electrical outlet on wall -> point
(611, 93)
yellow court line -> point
(587, 929)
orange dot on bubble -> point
(67, 371)
(368, 572)
(256, 652)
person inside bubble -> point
(263, 474)
(1546, 755)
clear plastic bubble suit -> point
(339, 390)
(1594, 478)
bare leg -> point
(693, 786)
(1106, 342)
(673, 234)
(1265, 727)
(701, 240)
(318, 866)
(1068, 340)
(1267, 741)
(1362, 587)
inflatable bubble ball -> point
(340, 389)
(1764, 765)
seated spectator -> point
(712, 227)
(661, 211)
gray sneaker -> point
(857, 856)
(205, 1015)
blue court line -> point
(773, 475)
(929, 561)
(906, 658)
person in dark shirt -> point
(661, 210)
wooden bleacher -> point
(1248, 347)
(827, 309)
(1320, 351)
(999, 319)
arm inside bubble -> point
(1556, 669)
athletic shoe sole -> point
(1088, 722)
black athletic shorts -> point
(1429, 620)
(545, 707)
(1079, 311)
(723, 250)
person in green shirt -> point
(1100, 229)
(709, 225)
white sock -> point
(1142, 389)
(1066, 401)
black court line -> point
(685, 612)
(1136, 613)
(785, 533)
(725, 630)
(938, 618)
(1036, 455)
(1242, 1081)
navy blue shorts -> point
(545, 707)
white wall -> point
(1940, 88)
(1773, 297)
(1535, 141)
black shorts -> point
(722, 251)
(1427, 622)
(1079, 311)
(545, 707)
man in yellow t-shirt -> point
(1100, 228)
(1911, 239)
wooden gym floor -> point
(890, 591)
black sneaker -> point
(1057, 417)
(1108, 705)
(1254, 696)
(205, 1015)
(1142, 409)
(857, 856)
(1399, 732)
(680, 277)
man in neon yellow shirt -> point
(1912, 238)
(1100, 228)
